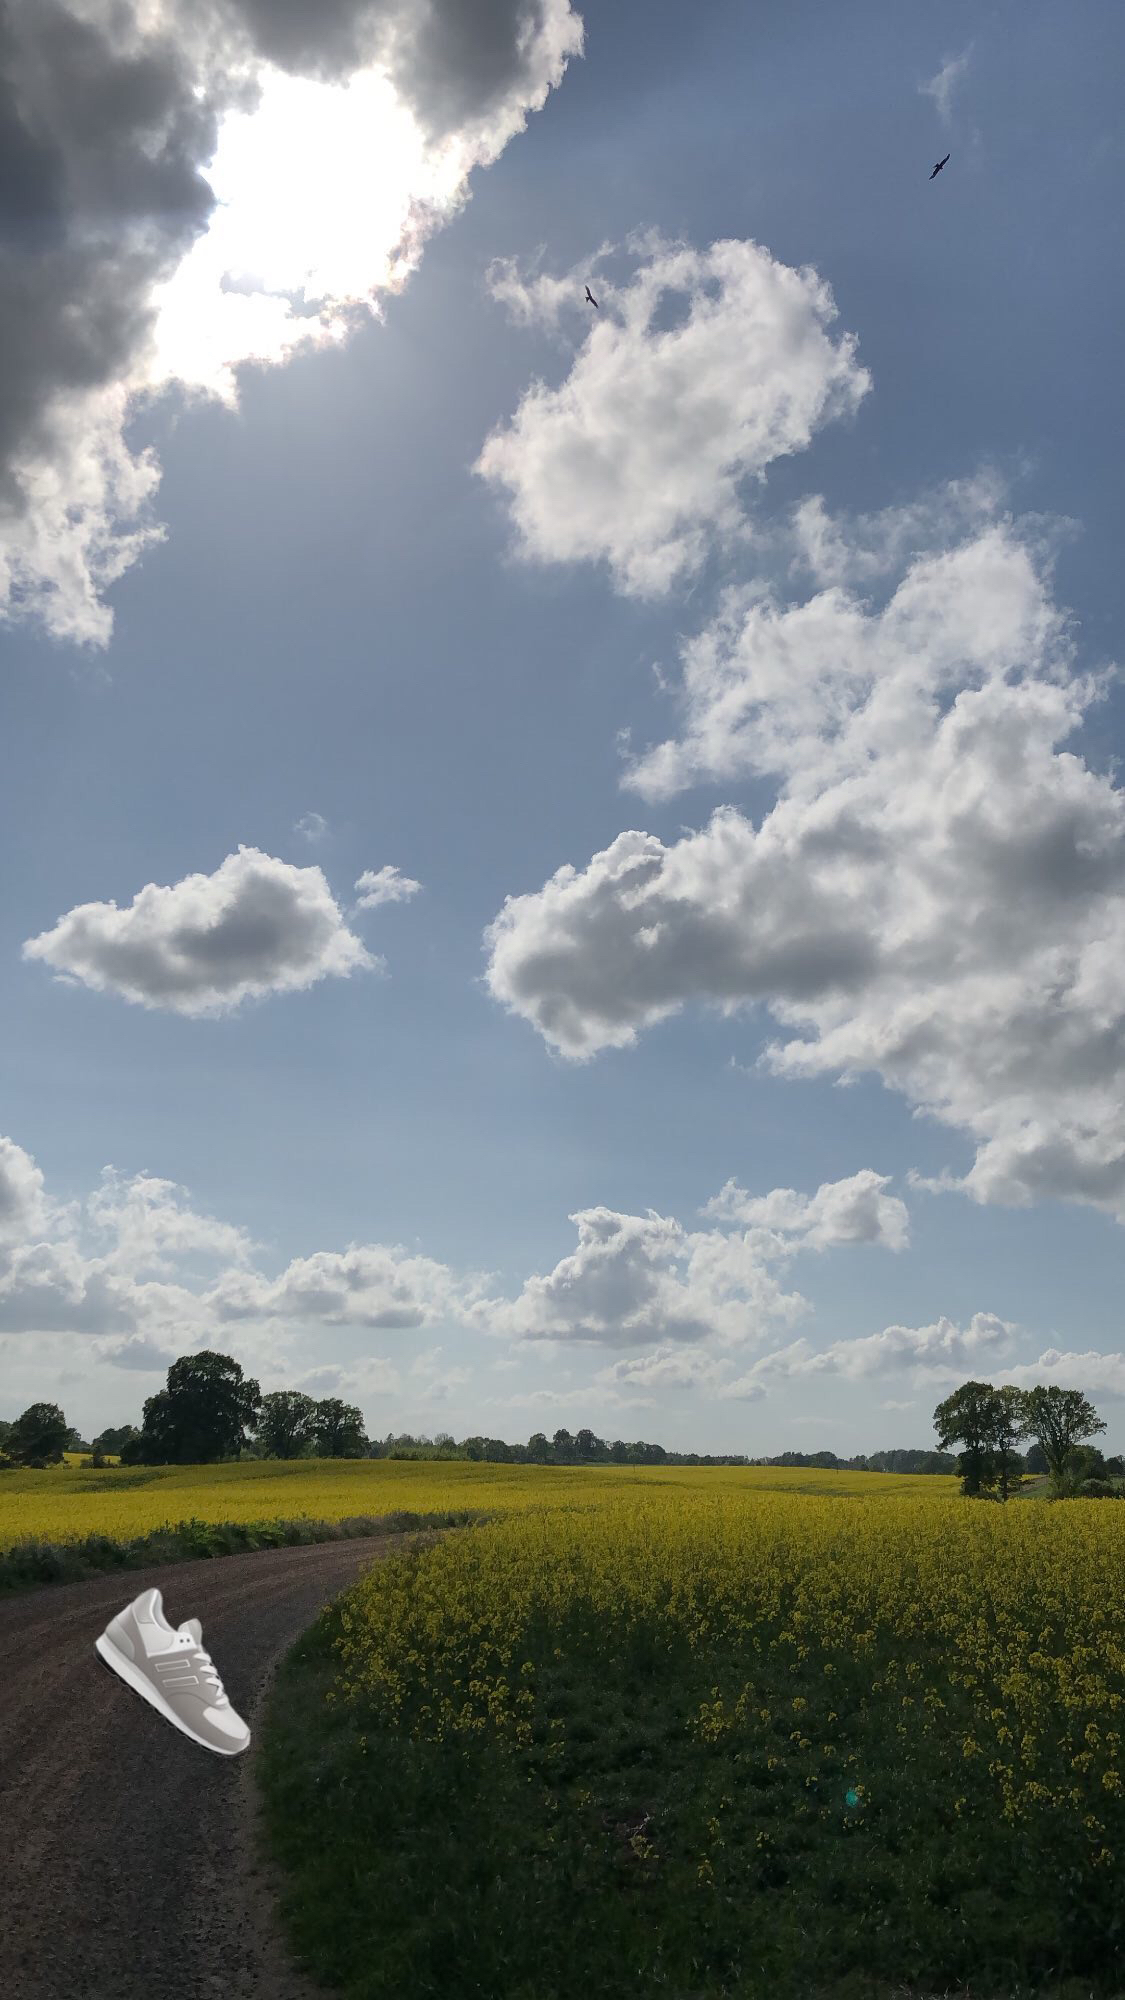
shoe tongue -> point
(193, 1626)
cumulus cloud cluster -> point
(209, 942)
(134, 1275)
(161, 228)
(139, 1268)
(136, 1263)
(936, 1354)
(937, 896)
(637, 1280)
(639, 457)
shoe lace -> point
(202, 1658)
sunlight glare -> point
(324, 193)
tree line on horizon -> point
(210, 1412)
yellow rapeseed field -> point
(66, 1503)
(1001, 1626)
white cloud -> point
(937, 896)
(153, 1228)
(815, 690)
(676, 1368)
(939, 1349)
(638, 456)
(942, 84)
(139, 1268)
(862, 548)
(167, 228)
(23, 1201)
(384, 885)
(533, 298)
(312, 827)
(137, 1258)
(545, 1403)
(108, 1265)
(684, 1306)
(139, 1351)
(1093, 1373)
(641, 1279)
(855, 1210)
(209, 942)
(366, 1285)
(619, 1288)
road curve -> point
(129, 1862)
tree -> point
(337, 1429)
(1037, 1460)
(974, 1416)
(285, 1426)
(38, 1436)
(1058, 1419)
(200, 1417)
(112, 1441)
(75, 1441)
(1085, 1461)
(1009, 1426)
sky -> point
(565, 864)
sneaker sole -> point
(125, 1670)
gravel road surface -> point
(129, 1862)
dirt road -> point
(129, 1866)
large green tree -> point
(202, 1415)
(337, 1429)
(38, 1436)
(285, 1426)
(1058, 1419)
(975, 1416)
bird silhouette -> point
(939, 167)
(592, 299)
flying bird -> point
(939, 167)
(592, 299)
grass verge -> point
(32, 1562)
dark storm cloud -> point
(101, 194)
(454, 61)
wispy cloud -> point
(384, 885)
(943, 83)
(312, 827)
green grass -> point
(464, 1870)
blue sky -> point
(365, 1184)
